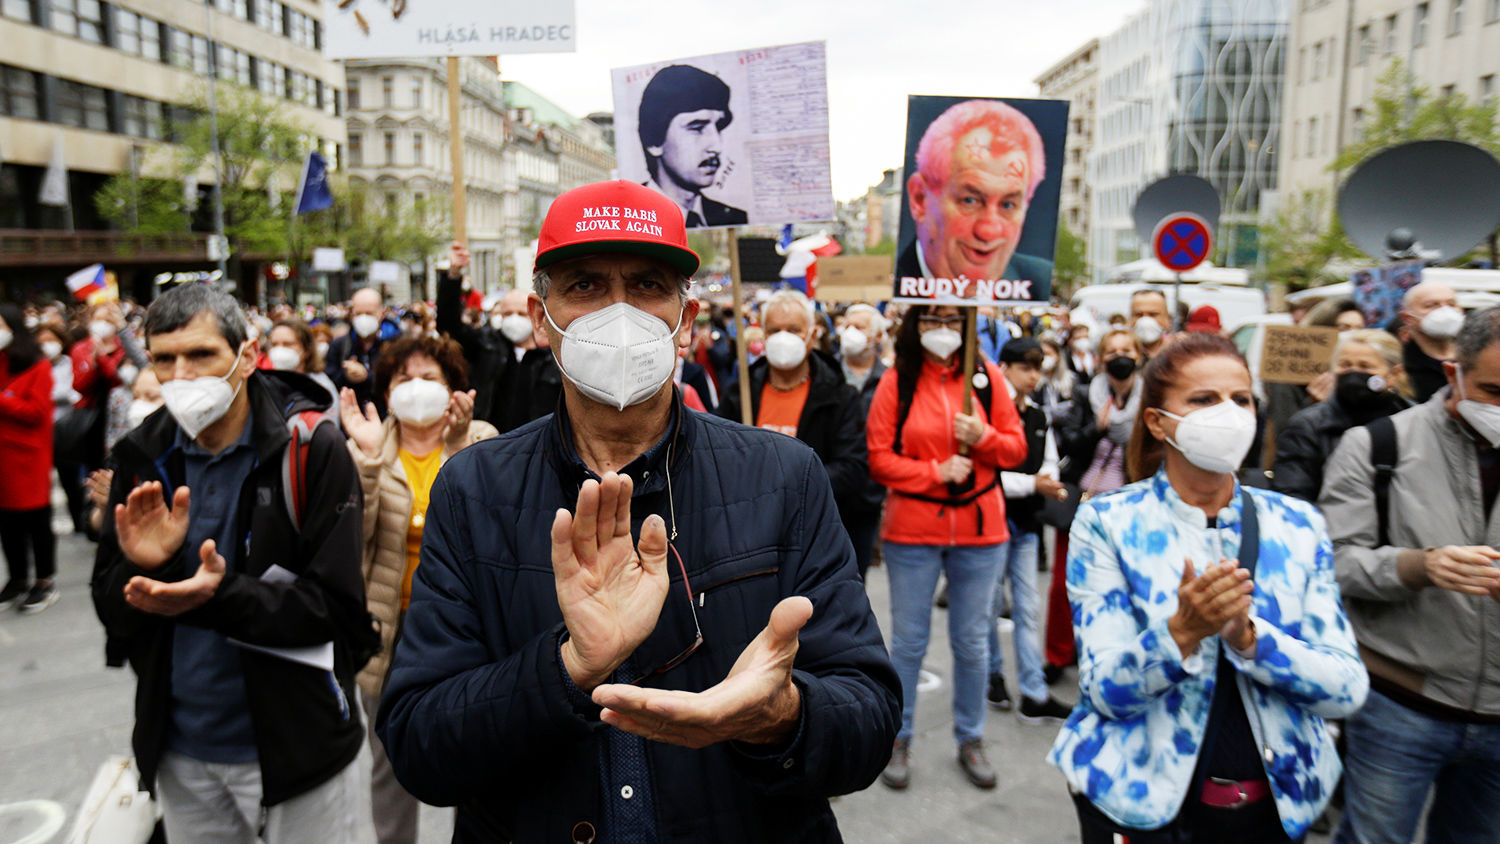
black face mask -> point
(1358, 395)
(1120, 368)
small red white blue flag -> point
(86, 281)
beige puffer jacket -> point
(387, 515)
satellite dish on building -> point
(1425, 199)
(1179, 194)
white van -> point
(1236, 304)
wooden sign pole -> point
(971, 351)
(456, 152)
(747, 415)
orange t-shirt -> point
(781, 410)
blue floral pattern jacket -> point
(1133, 740)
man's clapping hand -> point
(610, 595)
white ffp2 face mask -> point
(516, 328)
(1147, 330)
(942, 342)
(138, 411)
(853, 341)
(1215, 439)
(365, 325)
(284, 357)
(619, 355)
(1443, 323)
(197, 403)
(785, 350)
(1482, 417)
(419, 401)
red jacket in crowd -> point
(926, 441)
(94, 377)
(25, 436)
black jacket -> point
(307, 729)
(476, 712)
(1308, 440)
(508, 392)
(345, 348)
(832, 422)
(1077, 434)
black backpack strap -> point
(1383, 458)
(1249, 533)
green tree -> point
(1296, 247)
(261, 152)
(1070, 265)
(1405, 110)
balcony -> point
(51, 247)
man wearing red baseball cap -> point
(718, 678)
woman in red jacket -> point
(945, 515)
(26, 454)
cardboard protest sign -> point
(1378, 292)
(854, 278)
(734, 138)
(388, 29)
(979, 209)
(1294, 354)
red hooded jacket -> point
(25, 435)
(926, 441)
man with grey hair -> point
(798, 391)
(651, 668)
(1414, 551)
(1431, 319)
(241, 605)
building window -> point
(1491, 11)
(416, 92)
(299, 28)
(1419, 26)
(1312, 137)
(141, 118)
(234, 65)
(18, 9)
(1357, 124)
(390, 148)
(190, 52)
(272, 79)
(356, 150)
(137, 35)
(270, 15)
(239, 9)
(1317, 68)
(1449, 90)
(83, 106)
(1366, 45)
(387, 91)
(83, 18)
(1487, 86)
(1455, 16)
(1390, 34)
(18, 97)
(351, 94)
(416, 149)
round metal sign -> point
(1182, 242)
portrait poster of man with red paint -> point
(979, 209)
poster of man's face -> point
(979, 213)
(702, 130)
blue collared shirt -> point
(210, 716)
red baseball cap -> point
(1205, 320)
(615, 216)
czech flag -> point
(86, 282)
(801, 268)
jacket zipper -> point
(948, 414)
(736, 579)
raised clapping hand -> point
(1468, 569)
(610, 596)
(148, 532)
(456, 419)
(149, 536)
(365, 429)
(757, 703)
(1218, 600)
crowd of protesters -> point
(309, 513)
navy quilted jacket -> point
(476, 714)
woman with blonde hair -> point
(1369, 383)
(425, 383)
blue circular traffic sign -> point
(1182, 241)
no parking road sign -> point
(1182, 242)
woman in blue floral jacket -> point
(1207, 664)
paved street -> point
(62, 712)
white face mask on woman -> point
(619, 355)
(284, 357)
(942, 342)
(197, 403)
(1215, 439)
(419, 401)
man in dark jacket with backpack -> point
(241, 607)
(716, 679)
